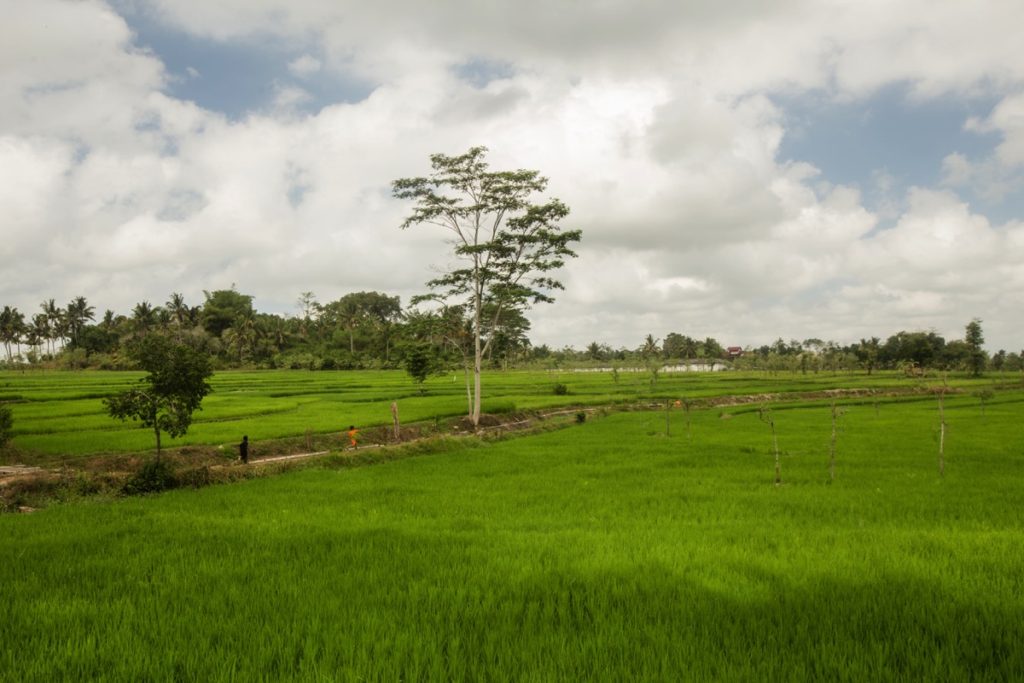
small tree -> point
(170, 393)
(984, 396)
(506, 243)
(421, 361)
(765, 413)
(836, 414)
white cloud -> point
(654, 121)
(1002, 173)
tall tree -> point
(178, 309)
(12, 327)
(649, 348)
(506, 244)
(39, 331)
(53, 315)
(222, 308)
(144, 318)
(867, 352)
(350, 313)
(79, 312)
(974, 338)
(382, 312)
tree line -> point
(366, 330)
(360, 330)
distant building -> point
(734, 351)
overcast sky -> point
(743, 170)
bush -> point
(581, 417)
(6, 424)
(197, 477)
(155, 475)
(561, 390)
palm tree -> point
(650, 347)
(246, 334)
(39, 330)
(20, 329)
(78, 312)
(277, 330)
(54, 316)
(350, 315)
(178, 309)
(12, 322)
(143, 317)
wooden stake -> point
(942, 434)
(766, 416)
(832, 446)
(686, 407)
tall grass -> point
(609, 551)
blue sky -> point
(807, 169)
(240, 76)
(892, 137)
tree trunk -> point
(477, 354)
(476, 392)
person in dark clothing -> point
(243, 449)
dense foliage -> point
(6, 424)
(173, 389)
(371, 330)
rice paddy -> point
(625, 548)
(60, 415)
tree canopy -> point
(174, 388)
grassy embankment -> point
(605, 552)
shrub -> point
(197, 477)
(155, 475)
(581, 417)
(560, 389)
(6, 424)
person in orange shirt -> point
(352, 434)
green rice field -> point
(61, 414)
(630, 547)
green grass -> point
(607, 551)
(61, 414)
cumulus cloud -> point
(656, 121)
(1002, 173)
